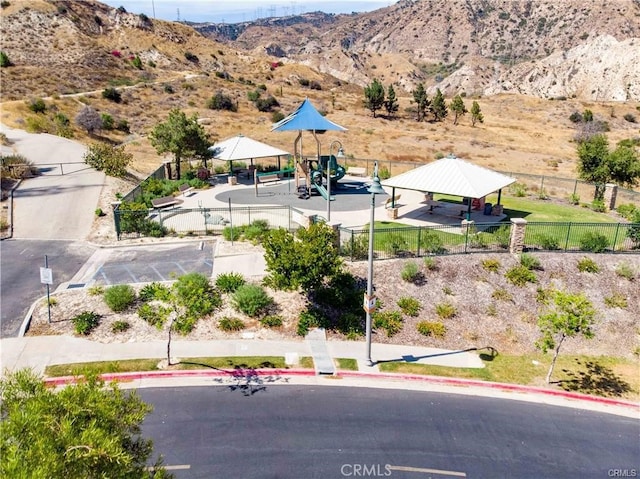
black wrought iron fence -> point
(595, 237)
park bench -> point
(268, 178)
(164, 201)
(393, 200)
(185, 188)
(357, 171)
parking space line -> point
(133, 277)
(157, 272)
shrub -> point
(4, 60)
(390, 321)
(587, 265)
(38, 106)
(574, 199)
(272, 321)
(154, 314)
(120, 326)
(251, 299)
(520, 276)
(256, 231)
(254, 95)
(136, 62)
(357, 247)
(630, 117)
(107, 121)
(119, 297)
(99, 212)
(168, 88)
(409, 306)
(430, 263)
(191, 57)
(576, 117)
(155, 290)
(530, 262)
(309, 318)
(625, 271)
(491, 264)
(598, 206)
(518, 189)
(616, 300)
(220, 101)
(231, 324)
(410, 272)
(229, 282)
(549, 242)
(502, 236)
(430, 242)
(266, 104)
(384, 173)
(627, 210)
(634, 230)
(277, 116)
(429, 328)
(502, 294)
(96, 290)
(230, 233)
(446, 310)
(112, 94)
(396, 243)
(594, 242)
(587, 115)
(195, 293)
(85, 322)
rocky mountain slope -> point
(590, 50)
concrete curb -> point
(436, 380)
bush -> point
(626, 210)
(518, 189)
(587, 265)
(155, 291)
(625, 271)
(502, 294)
(230, 233)
(594, 242)
(357, 247)
(271, 321)
(576, 117)
(4, 60)
(530, 262)
(446, 310)
(96, 290)
(136, 62)
(430, 242)
(38, 106)
(195, 293)
(549, 242)
(86, 322)
(154, 314)
(251, 299)
(231, 324)
(633, 232)
(277, 116)
(310, 318)
(410, 272)
(520, 276)
(409, 306)
(120, 326)
(191, 57)
(229, 282)
(390, 321)
(220, 101)
(598, 206)
(429, 328)
(630, 117)
(112, 94)
(491, 264)
(119, 297)
(574, 199)
(266, 104)
(430, 263)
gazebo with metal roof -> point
(451, 176)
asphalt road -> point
(334, 432)
(20, 263)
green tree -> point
(439, 106)
(374, 96)
(83, 430)
(476, 114)
(89, 119)
(303, 261)
(596, 164)
(634, 230)
(421, 100)
(458, 108)
(113, 160)
(183, 137)
(391, 103)
(569, 315)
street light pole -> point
(340, 154)
(370, 299)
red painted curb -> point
(241, 373)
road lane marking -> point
(176, 467)
(427, 471)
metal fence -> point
(418, 241)
(137, 192)
(135, 223)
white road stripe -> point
(427, 471)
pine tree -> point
(421, 100)
(476, 114)
(391, 103)
(374, 96)
(439, 107)
(458, 108)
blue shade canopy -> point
(306, 117)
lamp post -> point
(340, 154)
(370, 299)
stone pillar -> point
(516, 241)
(392, 213)
(610, 194)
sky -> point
(224, 11)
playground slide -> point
(323, 192)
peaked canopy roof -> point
(451, 176)
(243, 148)
(306, 117)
